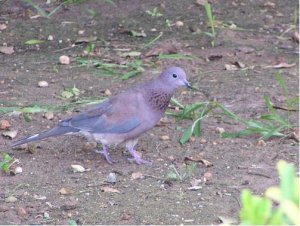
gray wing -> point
(104, 118)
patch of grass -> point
(7, 163)
(41, 11)
(181, 174)
(41, 108)
(154, 12)
(211, 21)
(278, 206)
(153, 40)
(269, 125)
(175, 56)
(71, 93)
(133, 68)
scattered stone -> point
(39, 197)
(3, 27)
(108, 92)
(111, 178)
(179, 23)
(207, 176)
(137, 175)
(64, 59)
(46, 215)
(192, 139)
(7, 50)
(69, 205)
(50, 38)
(203, 141)
(77, 168)
(220, 130)
(10, 134)
(65, 191)
(21, 212)
(109, 189)
(11, 199)
(18, 170)
(43, 84)
(49, 115)
(165, 137)
(194, 188)
(261, 143)
(4, 124)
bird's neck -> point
(158, 98)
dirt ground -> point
(263, 37)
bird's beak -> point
(187, 84)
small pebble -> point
(111, 178)
(64, 59)
(11, 199)
(21, 212)
(4, 124)
(49, 115)
(261, 143)
(220, 130)
(18, 170)
(203, 141)
(179, 23)
(108, 92)
(43, 84)
(165, 137)
(207, 176)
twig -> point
(258, 174)
(158, 178)
(66, 48)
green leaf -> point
(197, 128)
(33, 109)
(72, 223)
(138, 34)
(175, 56)
(186, 135)
(33, 42)
(66, 94)
(7, 157)
(130, 74)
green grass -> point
(278, 206)
(272, 124)
(7, 162)
(154, 12)
(185, 172)
(211, 21)
(131, 69)
(42, 108)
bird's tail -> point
(56, 131)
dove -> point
(122, 118)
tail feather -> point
(56, 131)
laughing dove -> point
(124, 117)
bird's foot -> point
(106, 155)
(136, 157)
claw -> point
(138, 160)
(106, 154)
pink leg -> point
(105, 153)
(137, 158)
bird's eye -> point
(174, 76)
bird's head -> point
(174, 77)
